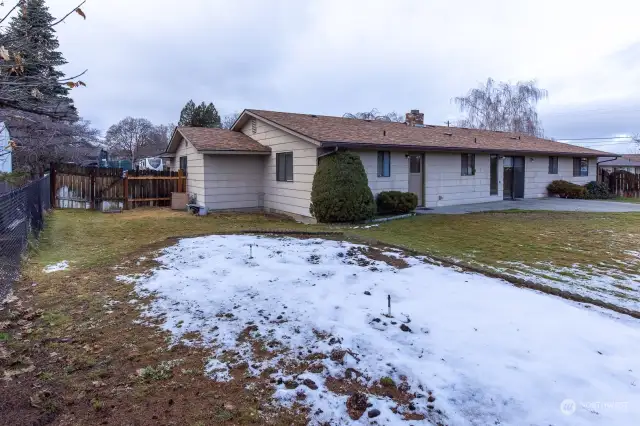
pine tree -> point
(31, 34)
(186, 115)
(202, 115)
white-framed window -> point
(284, 166)
(468, 165)
(384, 164)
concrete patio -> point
(553, 204)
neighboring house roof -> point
(348, 132)
(215, 140)
(626, 160)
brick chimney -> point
(415, 118)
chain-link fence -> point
(21, 218)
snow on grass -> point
(60, 266)
(594, 281)
(491, 353)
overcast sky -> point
(146, 58)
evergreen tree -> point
(31, 34)
(202, 115)
(186, 115)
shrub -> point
(390, 202)
(387, 381)
(565, 189)
(597, 190)
(340, 191)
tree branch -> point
(74, 77)
(12, 9)
(67, 15)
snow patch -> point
(490, 352)
(60, 266)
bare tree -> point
(503, 107)
(29, 81)
(38, 141)
(229, 119)
(636, 140)
(130, 136)
(374, 114)
(159, 139)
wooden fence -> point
(622, 183)
(109, 189)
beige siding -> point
(537, 177)
(290, 197)
(233, 181)
(195, 170)
(444, 185)
(399, 179)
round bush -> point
(396, 202)
(597, 190)
(340, 191)
(565, 189)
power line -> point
(593, 139)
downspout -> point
(335, 149)
(605, 161)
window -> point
(384, 164)
(414, 163)
(553, 165)
(183, 163)
(580, 166)
(284, 166)
(493, 183)
(468, 165)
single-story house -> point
(268, 159)
(626, 162)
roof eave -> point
(413, 147)
(232, 152)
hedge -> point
(340, 191)
(396, 202)
(565, 189)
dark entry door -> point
(518, 177)
(513, 186)
(507, 179)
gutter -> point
(606, 161)
(418, 148)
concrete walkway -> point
(554, 204)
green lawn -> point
(591, 254)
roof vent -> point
(418, 125)
(368, 121)
(384, 133)
(448, 134)
(254, 126)
(314, 116)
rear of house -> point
(268, 159)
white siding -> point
(233, 181)
(195, 170)
(290, 197)
(399, 179)
(445, 186)
(537, 177)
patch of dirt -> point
(364, 257)
(88, 360)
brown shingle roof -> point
(339, 131)
(632, 160)
(206, 139)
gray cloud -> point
(147, 58)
